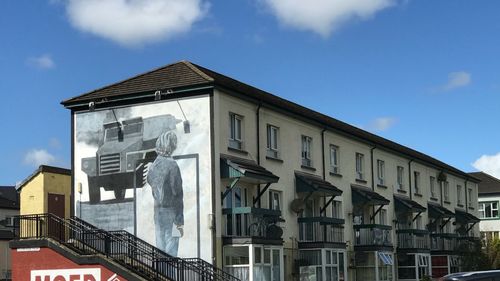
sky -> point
(423, 73)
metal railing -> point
(319, 232)
(372, 234)
(251, 222)
(413, 239)
(122, 247)
(443, 242)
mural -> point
(147, 169)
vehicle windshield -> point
(128, 130)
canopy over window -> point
(404, 203)
(464, 218)
(438, 211)
(246, 170)
(364, 196)
(308, 183)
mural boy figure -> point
(165, 180)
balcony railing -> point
(468, 243)
(372, 235)
(321, 230)
(251, 222)
(443, 241)
(413, 239)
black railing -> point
(122, 247)
(372, 235)
(320, 232)
(413, 239)
(443, 241)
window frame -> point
(273, 150)
(306, 148)
(459, 194)
(360, 159)
(482, 209)
(400, 177)
(334, 161)
(381, 171)
(235, 133)
(272, 193)
(433, 182)
(446, 191)
(416, 181)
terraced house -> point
(271, 190)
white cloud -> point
(37, 157)
(489, 164)
(381, 124)
(135, 22)
(324, 16)
(42, 62)
(457, 80)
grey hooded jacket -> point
(165, 180)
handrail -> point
(122, 247)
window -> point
(470, 198)
(337, 209)
(272, 141)
(360, 158)
(416, 178)
(334, 159)
(306, 151)
(418, 222)
(446, 191)
(235, 140)
(488, 210)
(433, 187)
(275, 200)
(400, 177)
(382, 217)
(381, 172)
(459, 194)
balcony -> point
(257, 224)
(468, 243)
(443, 242)
(372, 237)
(413, 240)
(320, 232)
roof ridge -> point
(184, 62)
(195, 68)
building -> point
(9, 207)
(46, 190)
(489, 198)
(271, 190)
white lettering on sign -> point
(79, 274)
(28, 250)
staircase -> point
(133, 253)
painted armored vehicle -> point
(123, 149)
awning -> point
(306, 183)
(438, 211)
(408, 205)
(365, 196)
(246, 170)
(464, 218)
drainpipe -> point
(323, 152)
(258, 145)
(409, 178)
(371, 162)
(258, 132)
(466, 190)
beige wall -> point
(290, 131)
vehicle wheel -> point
(94, 192)
(120, 194)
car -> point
(489, 275)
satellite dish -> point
(297, 205)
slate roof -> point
(488, 185)
(184, 75)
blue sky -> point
(423, 73)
